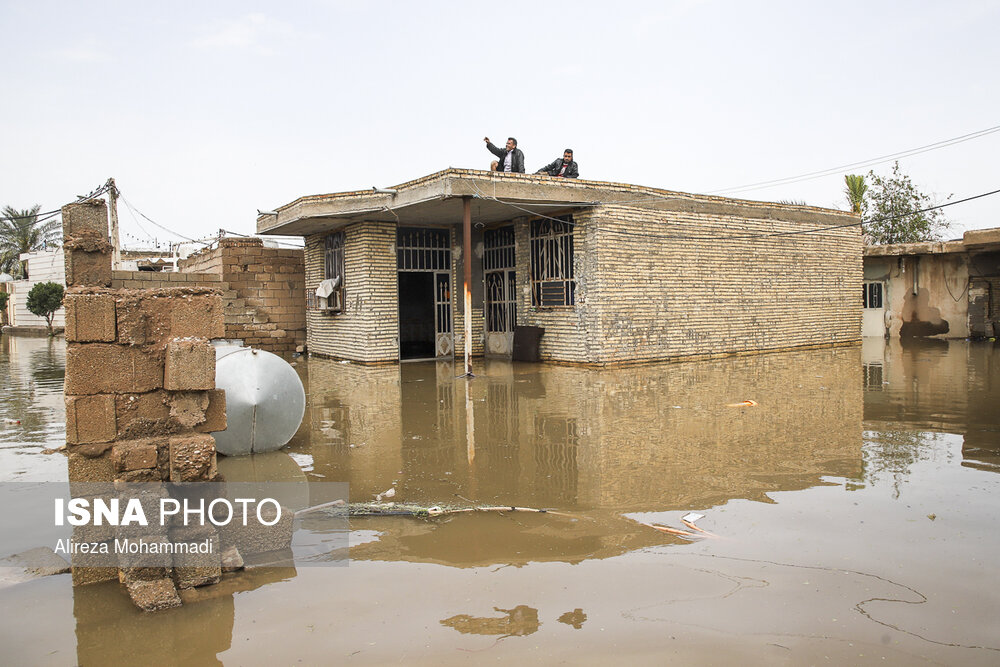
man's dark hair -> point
(514, 140)
(568, 150)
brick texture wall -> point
(368, 329)
(265, 291)
(651, 285)
(655, 284)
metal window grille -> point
(423, 249)
(499, 275)
(335, 257)
(552, 282)
(871, 296)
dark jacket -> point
(552, 169)
(516, 160)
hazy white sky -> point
(206, 111)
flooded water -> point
(849, 512)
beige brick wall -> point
(368, 328)
(265, 304)
(668, 284)
(650, 285)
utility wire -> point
(863, 163)
(687, 237)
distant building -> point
(43, 266)
(948, 289)
(614, 273)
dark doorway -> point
(416, 315)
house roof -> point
(497, 197)
(977, 240)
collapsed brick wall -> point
(140, 396)
(264, 293)
(367, 330)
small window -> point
(333, 277)
(871, 296)
(552, 282)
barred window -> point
(335, 257)
(552, 282)
(871, 296)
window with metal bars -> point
(552, 282)
(423, 249)
(871, 296)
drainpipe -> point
(467, 257)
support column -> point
(467, 259)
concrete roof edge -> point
(525, 188)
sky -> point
(205, 112)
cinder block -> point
(99, 368)
(138, 413)
(187, 408)
(154, 595)
(129, 455)
(89, 469)
(85, 219)
(190, 364)
(198, 317)
(215, 415)
(199, 569)
(90, 419)
(85, 268)
(90, 318)
(192, 458)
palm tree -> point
(20, 232)
(855, 190)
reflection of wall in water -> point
(637, 450)
(949, 386)
(355, 405)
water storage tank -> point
(265, 400)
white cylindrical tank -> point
(265, 400)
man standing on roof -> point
(511, 158)
(565, 167)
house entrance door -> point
(873, 310)
(501, 282)
(423, 264)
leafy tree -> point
(20, 232)
(4, 297)
(855, 188)
(44, 300)
(893, 210)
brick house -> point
(614, 273)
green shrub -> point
(44, 300)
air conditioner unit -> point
(335, 302)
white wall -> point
(44, 266)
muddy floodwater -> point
(850, 501)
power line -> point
(687, 237)
(170, 231)
(863, 163)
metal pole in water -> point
(467, 257)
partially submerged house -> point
(945, 289)
(613, 273)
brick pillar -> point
(140, 392)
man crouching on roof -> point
(511, 158)
(565, 167)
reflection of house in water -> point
(938, 386)
(639, 438)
